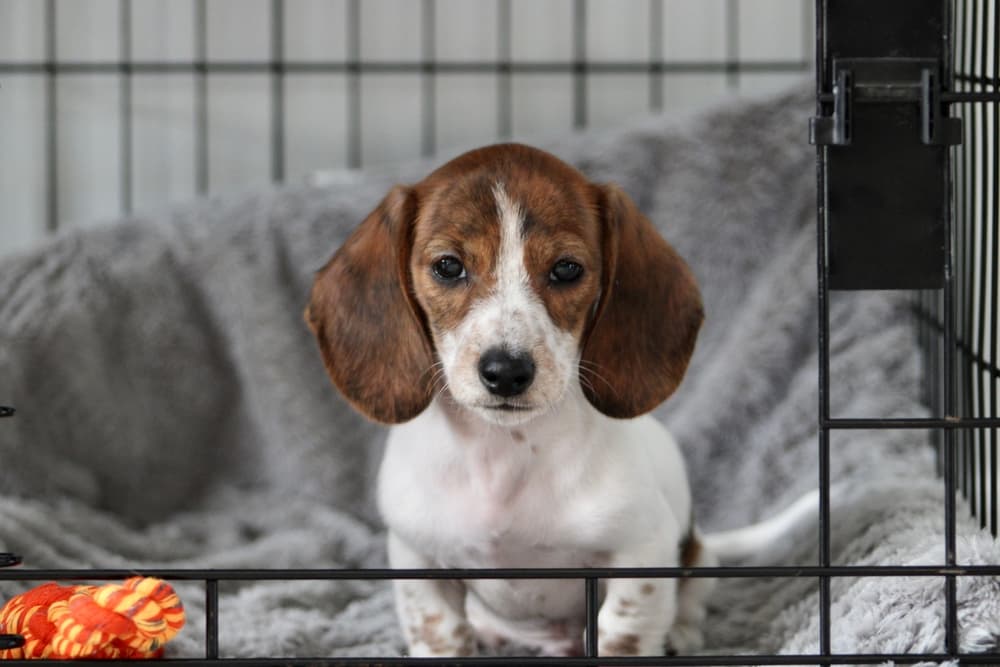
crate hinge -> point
(886, 81)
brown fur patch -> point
(647, 589)
(648, 318)
(370, 333)
(690, 550)
(627, 644)
(626, 608)
(459, 217)
(429, 633)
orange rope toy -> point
(130, 620)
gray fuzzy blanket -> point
(173, 410)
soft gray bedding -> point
(173, 410)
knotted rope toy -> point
(131, 620)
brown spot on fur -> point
(518, 436)
(690, 550)
(626, 608)
(429, 633)
(647, 589)
(627, 644)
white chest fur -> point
(568, 490)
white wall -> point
(90, 166)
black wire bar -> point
(591, 577)
(823, 342)
(407, 67)
(664, 661)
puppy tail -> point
(741, 543)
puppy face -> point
(502, 279)
(507, 268)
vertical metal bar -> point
(965, 223)
(985, 277)
(823, 342)
(125, 99)
(428, 79)
(211, 619)
(51, 121)
(656, 55)
(995, 273)
(973, 336)
(590, 635)
(980, 223)
(965, 243)
(505, 99)
(354, 83)
(732, 44)
(579, 64)
(951, 606)
(277, 91)
(201, 97)
(972, 222)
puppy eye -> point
(565, 271)
(448, 269)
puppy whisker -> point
(587, 372)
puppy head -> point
(503, 279)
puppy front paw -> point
(432, 638)
(621, 644)
(684, 639)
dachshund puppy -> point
(515, 322)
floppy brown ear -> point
(643, 333)
(369, 329)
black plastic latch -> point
(938, 129)
(885, 81)
(835, 130)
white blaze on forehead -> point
(511, 273)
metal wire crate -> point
(955, 291)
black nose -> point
(505, 374)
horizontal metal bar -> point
(726, 572)
(367, 67)
(965, 97)
(666, 661)
(876, 94)
(914, 423)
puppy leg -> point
(686, 636)
(431, 611)
(638, 613)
